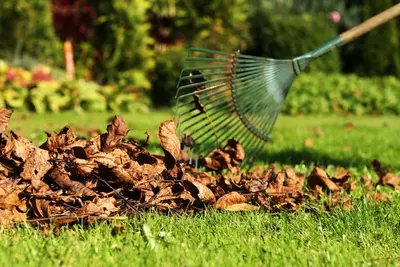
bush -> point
(165, 76)
(381, 48)
(217, 24)
(122, 42)
(37, 91)
(26, 30)
(281, 35)
(319, 93)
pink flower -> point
(11, 75)
(335, 16)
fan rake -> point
(230, 95)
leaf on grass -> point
(230, 199)
(63, 139)
(381, 197)
(235, 150)
(241, 207)
(5, 116)
(36, 165)
(319, 177)
(10, 217)
(22, 147)
(308, 142)
(99, 206)
(199, 191)
(170, 143)
(40, 207)
(62, 178)
(116, 131)
(386, 177)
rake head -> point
(229, 95)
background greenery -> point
(137, 48)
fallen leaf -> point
(349, 126)
(241, 207)
(36, 165)
(199, 191)
(319, 177)
(318, 132)
(116, 131)
(229, 200)
(170, 143)
(308, 142)
(391, 180)
(64, 138)
(5, 116)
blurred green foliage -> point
(138, 45)
(122, 42)
(320, 93)
(36, 91)
(165, 76)
(380, 54)
(277, 35)
(26, 28)
(217, 24)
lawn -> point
(369, 234)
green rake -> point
(229, 95)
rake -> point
(230, 95)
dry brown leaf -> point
(64, 138)
(10, 217)
(229, 200)
(320, 177)
(62, 178)
(36, 165)
(318, 132)
(5, 116)
(381, 197)
(386, 177)
(241, 207)
(40, 207)
(235, 150)
(199, 191)
(308, 142)
(170, 143)
(204, 178)
(391, 180)
(116, 131)
(349, 126)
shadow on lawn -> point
(309, 156)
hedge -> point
(320, 93)
(26, 30)
(282, 35)
(36, 91)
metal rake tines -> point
(230, 95)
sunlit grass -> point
(367, 235)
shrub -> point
(216, 24)
(165, 76)
(277, 34)
(319, 93)
(122, 42)
(381, 47)
(26, 30)
(38, 92)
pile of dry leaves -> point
(66, 178)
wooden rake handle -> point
(370, 24)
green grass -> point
(367, 235)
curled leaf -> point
(230, 199)
(170, 143)
(319, 177)
(116, 131)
